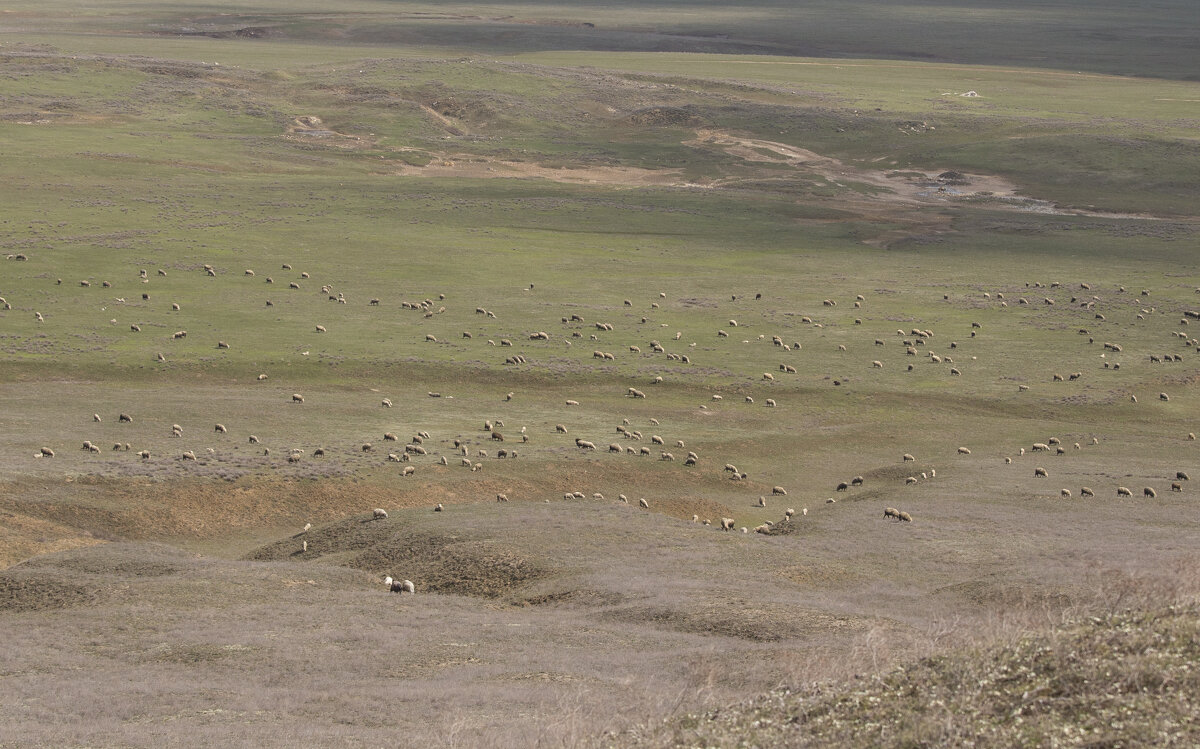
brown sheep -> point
(1040, 472)
(1176, 486)
(1182, 476)
(1149, 492)
(126, 418)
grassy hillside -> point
(410, 257)
(1101, 36)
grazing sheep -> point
(614, 448)
(297, 398)
(222, 344)
(779, 490)
(1182, 476)
(1164, 397)
(770, 403)
(1040, 472)
(727, 524)
(910, 480)
(908, 458)
(964, 451)
(905, 517)
(1065, 493)
(1149, 492)
(1007, 461)
(586, 445)
(643, 503)
(144, 454)
(655, 439)
(125, 418)
(399, 586)
(560, 428)
(408, 470)
(379, 514)
(666, 456)
(572, 403)
(220, 428)
(1124, 492)
(262, 377)
(843, 486)
(189, 455)
(891, 512)
(1176, 486)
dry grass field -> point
(934, 357)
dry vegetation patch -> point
(24, 590)
(1126, 679)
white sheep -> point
(399, 586)
(379, 514)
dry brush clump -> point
(1122, 679)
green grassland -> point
(440, 184)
